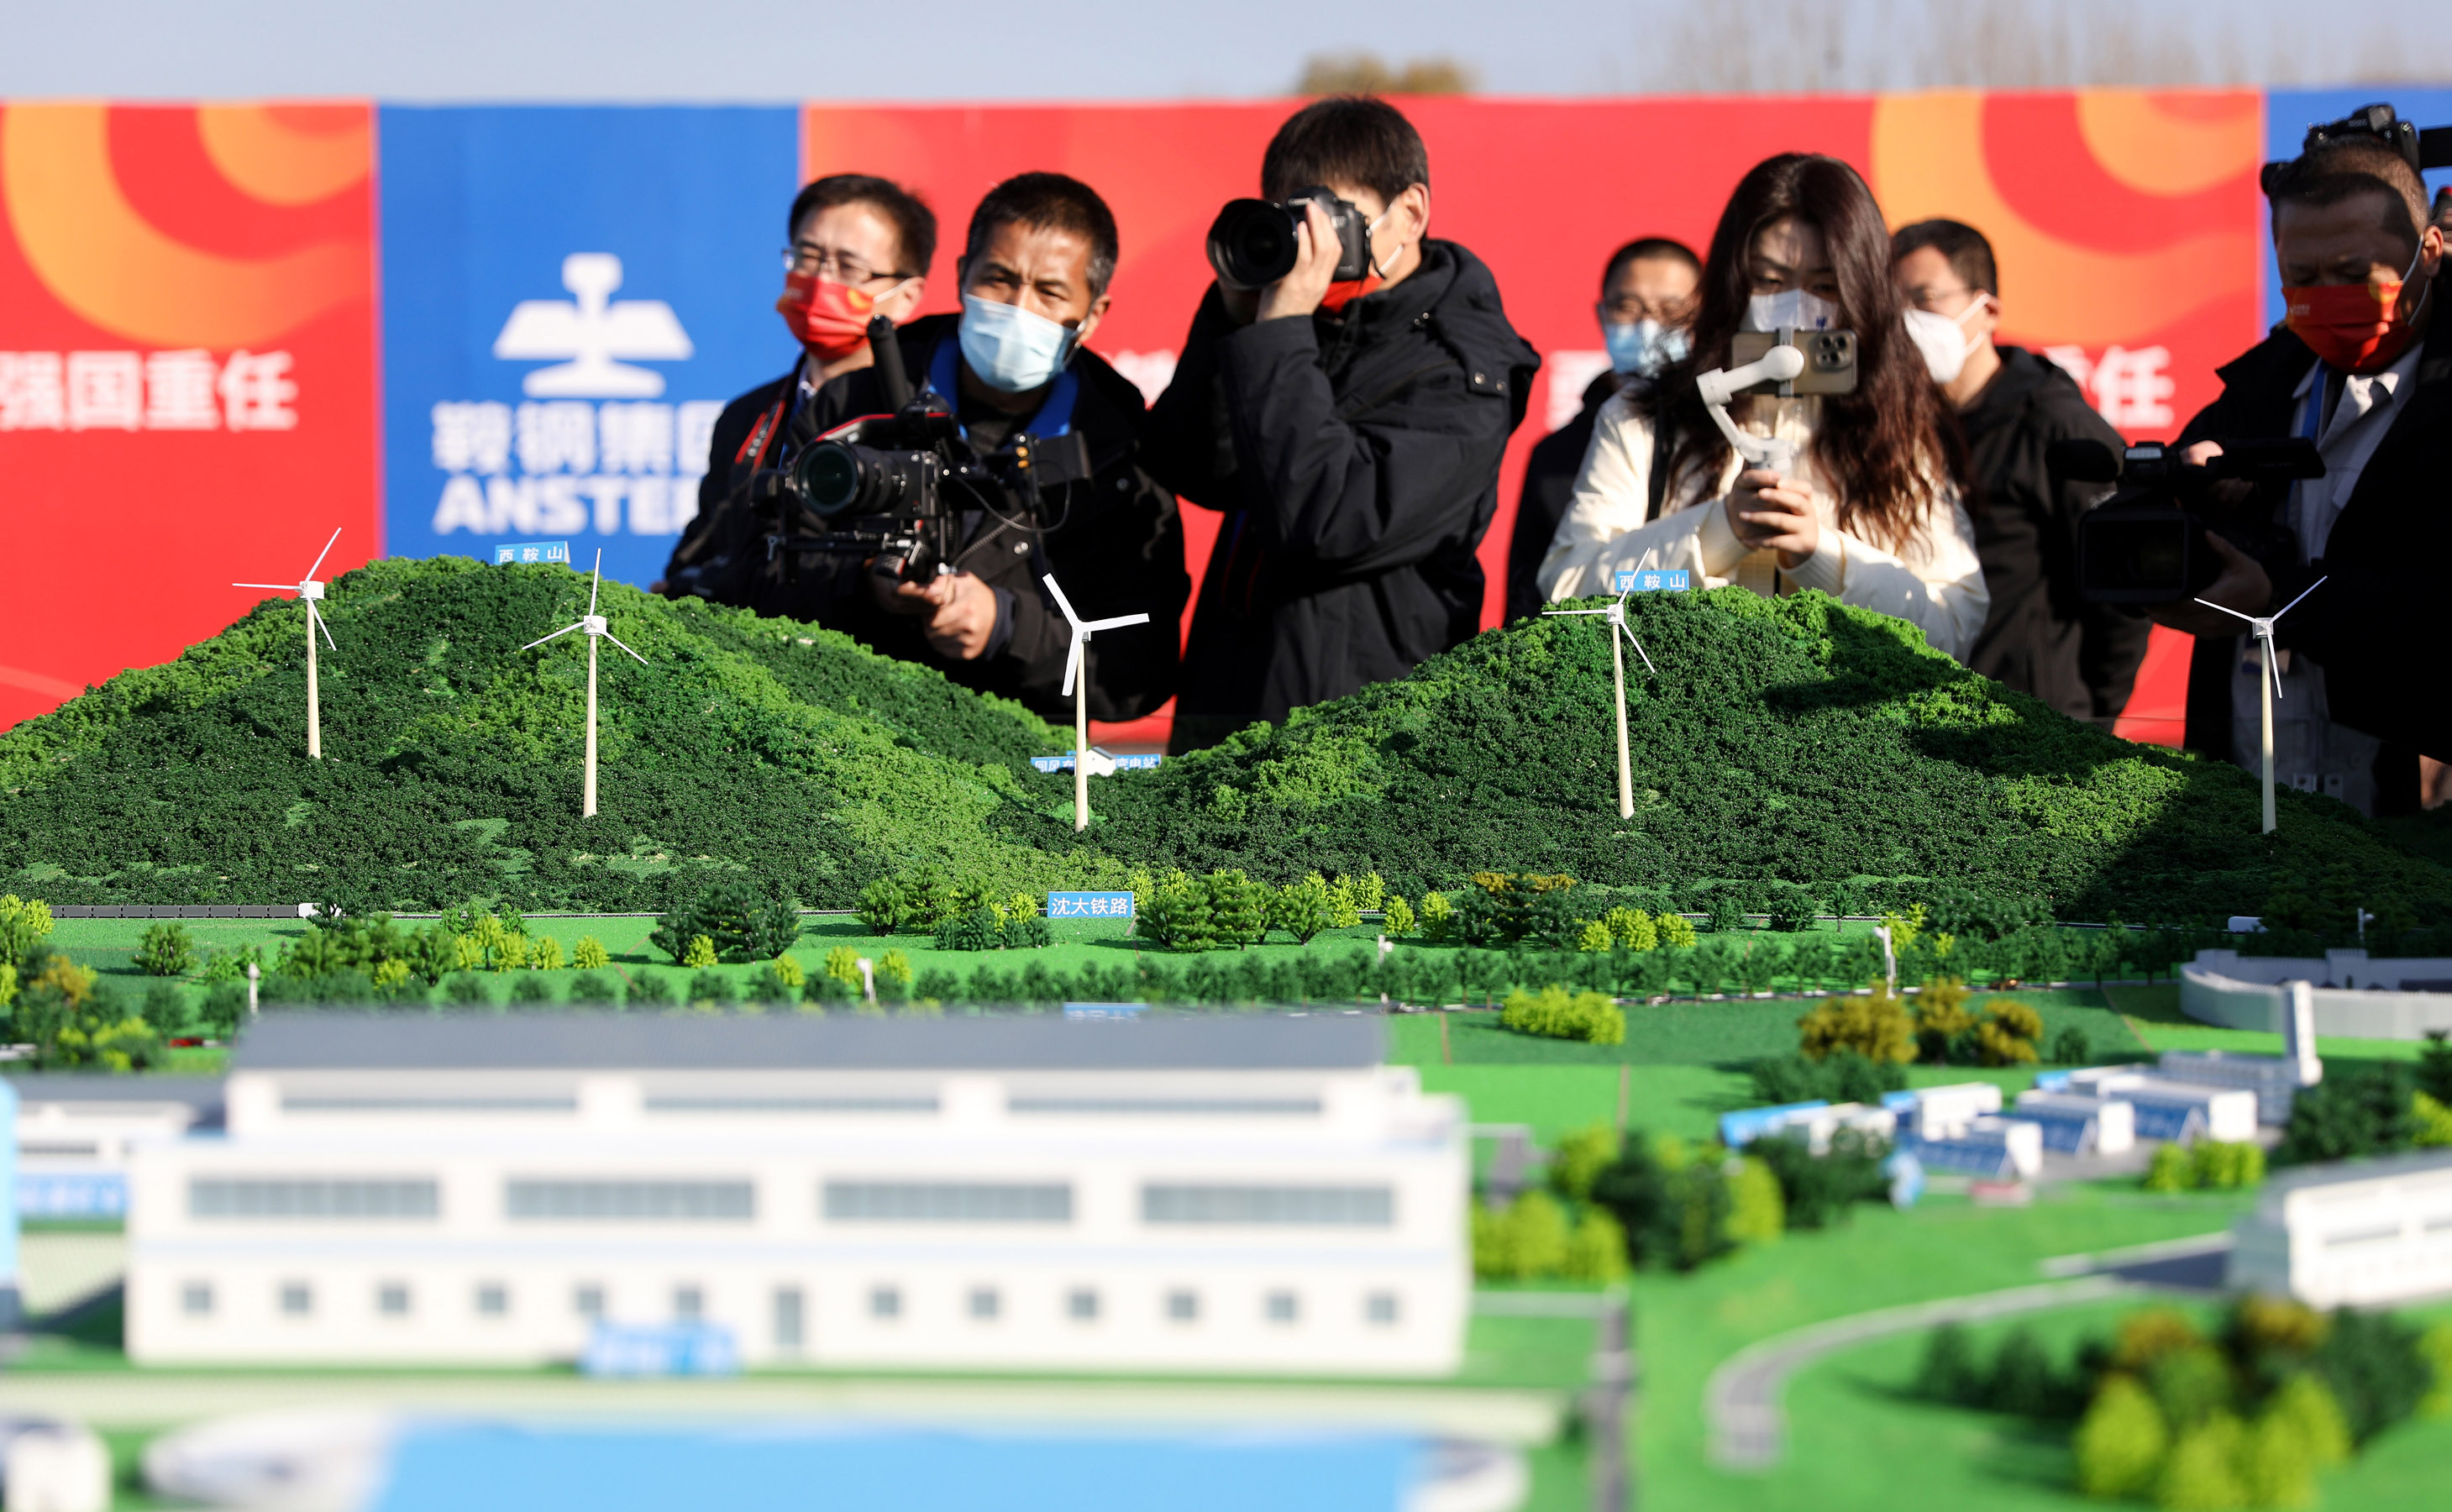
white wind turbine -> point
(310, 593)
(2270, 685)
(594, 625)
(1616, 616)
(1076, 685)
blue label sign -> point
(660, 1350)
(1123, 763)
(1089, 905)
(510, 551)
(1669, 580)
(570, 297)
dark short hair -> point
(1050, 202)
(2347, 167)
(914, 224)
(1646, 249)
(1969, 254)
(1352, 139)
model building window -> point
(1312, 1206)
(787, 1317)
(493, 1300)
(1082, 1304)
(689, 1304)
(885, 1302)
(196, 1299)
(948, 1202)
(297, 1299)
(1380, 1308)
(588, 1302)
(391, 1299)
(1283, 1307)
(543, 1199)
(985, 1304)
(242, 1199)
(1183, 1307)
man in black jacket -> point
(1646, 305)
(1034, 280)
(2363, 365)
(2041, 636)
(1350, 434)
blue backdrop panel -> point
(569, 297)
(2289, 113)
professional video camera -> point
(2424, 150)
(1253, 244)
(2146, 543)
(892, 486)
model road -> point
(1741, 1404)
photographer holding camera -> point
(1021, 461)
(1345, 398)
(2363, 368)
(1870, 512)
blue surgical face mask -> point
(1790, 310)
(1011, 348)
(1640, 348)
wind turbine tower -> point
(2268, 687)
(593, 624)
(1076, 685)
(1615, 613)
(310, 592)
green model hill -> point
(1792, 742)
(451, 761)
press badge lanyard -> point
(1054, 417)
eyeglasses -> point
(1930, 300)
(841, 267)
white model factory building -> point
(2351, 1233)
(1248, 1195)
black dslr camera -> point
(2421, 148)
(2146, 543)
(892, 486)
(1251, 244)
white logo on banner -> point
(591, 330)
(559, 464)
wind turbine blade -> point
(635, 656)
(1062, 603)
(326, 552)
(1639, 651)
(317, 618)
(555, 636)
(2294, 602)
(2272, 668)
(595, 578)
(1553, 614)
(1071, 666)
(2233, 613)
(277, 587)
(1109, 625)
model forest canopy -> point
(1785, 750)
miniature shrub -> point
(1239, 908)
(1792, 909)
(166, 950)
(469, 990)
(1757, 1213)
(594, 988)
(980, 929)
(1941, 1019)
(529, 987)
(824, 989)
(1581, 1156)
(1438, 918)
(1525, 1242)
(2356, 1110)
(842, 964)
(2006, 1034)
(937, 984)
(544, 954)
(766, 986)
(589, 954)
(1817, 1190)
(1949, 1371)
(2121, 1441)
(651, 989)
(1554, 1014)
(2434, 1074)
(1397, 918)
(1875, 1026)
(165, 1011)
(882, 905)
(2170, 1170)
(1174, 912)
(1632, 928)
(223, 1007)
(1843, 1075)
(713, 986)
(1029, 932)
(23, 926)
(1677, 931)
(1596, 1248)
(1302, 909)
(1345, 904)
(2071, 1048)
(700, 953)
(896, 967)
(1595, 937)
(2200, 1472)
(2432, 1120)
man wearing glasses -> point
(2041, 637)
(1034, 276)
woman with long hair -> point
(1871, 515)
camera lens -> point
(1251, 243)
(831, 477)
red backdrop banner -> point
(187, 374)
(2124, 220)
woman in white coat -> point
(1872, 513)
